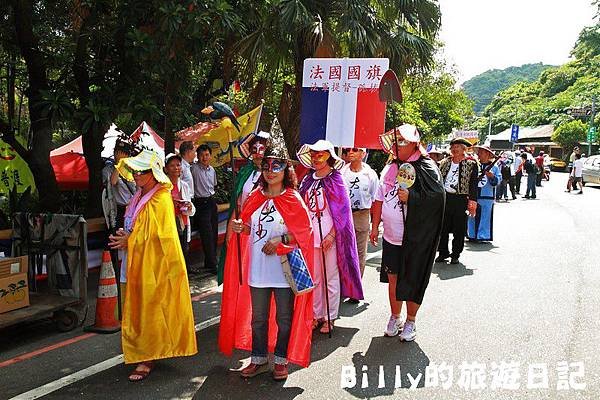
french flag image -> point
(340, 101)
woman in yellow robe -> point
(158, 321)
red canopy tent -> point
(69, 163)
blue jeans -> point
(531, 178)
(261, 303)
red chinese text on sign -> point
(335, 72)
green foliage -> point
(548, 99)
(570, 134)
(481, 88)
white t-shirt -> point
(362, 186)
(391, 210)
(578, 168)
(249, 186)
(315, 199)
(265, 270)
(451, 182)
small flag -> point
(218, 140)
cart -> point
(34, 237)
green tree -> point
(284, 33)
(569, 134)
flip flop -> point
(326, 328)
(316, 323)
(139, 375)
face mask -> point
(273, 165)
(258, 149)
(319, 156)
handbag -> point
(296, 272)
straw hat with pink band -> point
(405, 133)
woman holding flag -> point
(337, 271)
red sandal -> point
(141, 374)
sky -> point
(495, 34)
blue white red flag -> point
(340, 101)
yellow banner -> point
(218, 138)
(14, 171)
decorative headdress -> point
(146, 160)
(276, 147)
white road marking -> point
(94, 369)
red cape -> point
(235, 330)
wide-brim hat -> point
(146, 160)
(478, 148)
(407, 132)
(244, 145)
(462, 141)
(320, 145)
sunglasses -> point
(402, 142)
(140, 173)
(273, 165)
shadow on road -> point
(350, 310)
(390, 355)
(323, 346)
(480, 246)
(222, 383)
(450, 271)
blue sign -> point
(514, 133)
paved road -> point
(528, 300)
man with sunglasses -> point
(361, 181)
(460, 176)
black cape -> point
(424, 219)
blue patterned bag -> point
(296, 272)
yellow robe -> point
(158, 321)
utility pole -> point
(490, 125)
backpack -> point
(530, 167)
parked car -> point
(556, 164)
(591, 170)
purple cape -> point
(345, 239)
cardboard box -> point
(14, 290)
(15, 265)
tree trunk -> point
(169, 134)
(91, 137)
(92, 149)
(38, 157)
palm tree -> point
(286, 32)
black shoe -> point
(533, 197)
(514, 197)
(454, 260)
(526, 197)
(442, 258)
(352, 301)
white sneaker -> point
(394, 326)
(409, 332)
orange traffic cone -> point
(106, 302)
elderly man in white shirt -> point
(362, 182)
